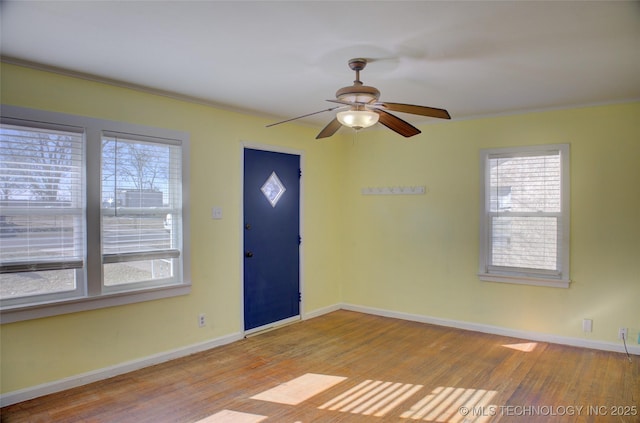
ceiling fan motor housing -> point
(358, 93)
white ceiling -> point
(284, 58)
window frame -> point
(559, 278)
(93, 295)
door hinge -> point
(299, 297)
(299, 240)
(299, 173)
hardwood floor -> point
(352, 367)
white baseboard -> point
(285, 322)
(111, 371)
(118, 369)
(497, 330)
(321, 311)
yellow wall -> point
(419, 254)
(44, 350)
(411, 254)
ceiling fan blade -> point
(330, 129)
(303, 116)
(416, 110)
(396, 124)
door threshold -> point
(272, 326)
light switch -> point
(216, 213)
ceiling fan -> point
(365, 110)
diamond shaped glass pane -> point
(273, 189)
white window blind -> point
(141, 208)
(525, 222)
(42, 208)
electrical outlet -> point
(622, 333)
(587, 325)
(202, 320)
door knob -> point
(248, 254)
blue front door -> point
(271, 237)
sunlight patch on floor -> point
(228, 416)
(525, 347)
(444, 404)
(370, 397)
(299, 389)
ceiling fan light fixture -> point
(358, 119)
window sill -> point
(37, 311)
(524, 280)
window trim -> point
(95, 297)
(526, 276)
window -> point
(91, 213)
(524, 224)
(140, 194)
(42, 236)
